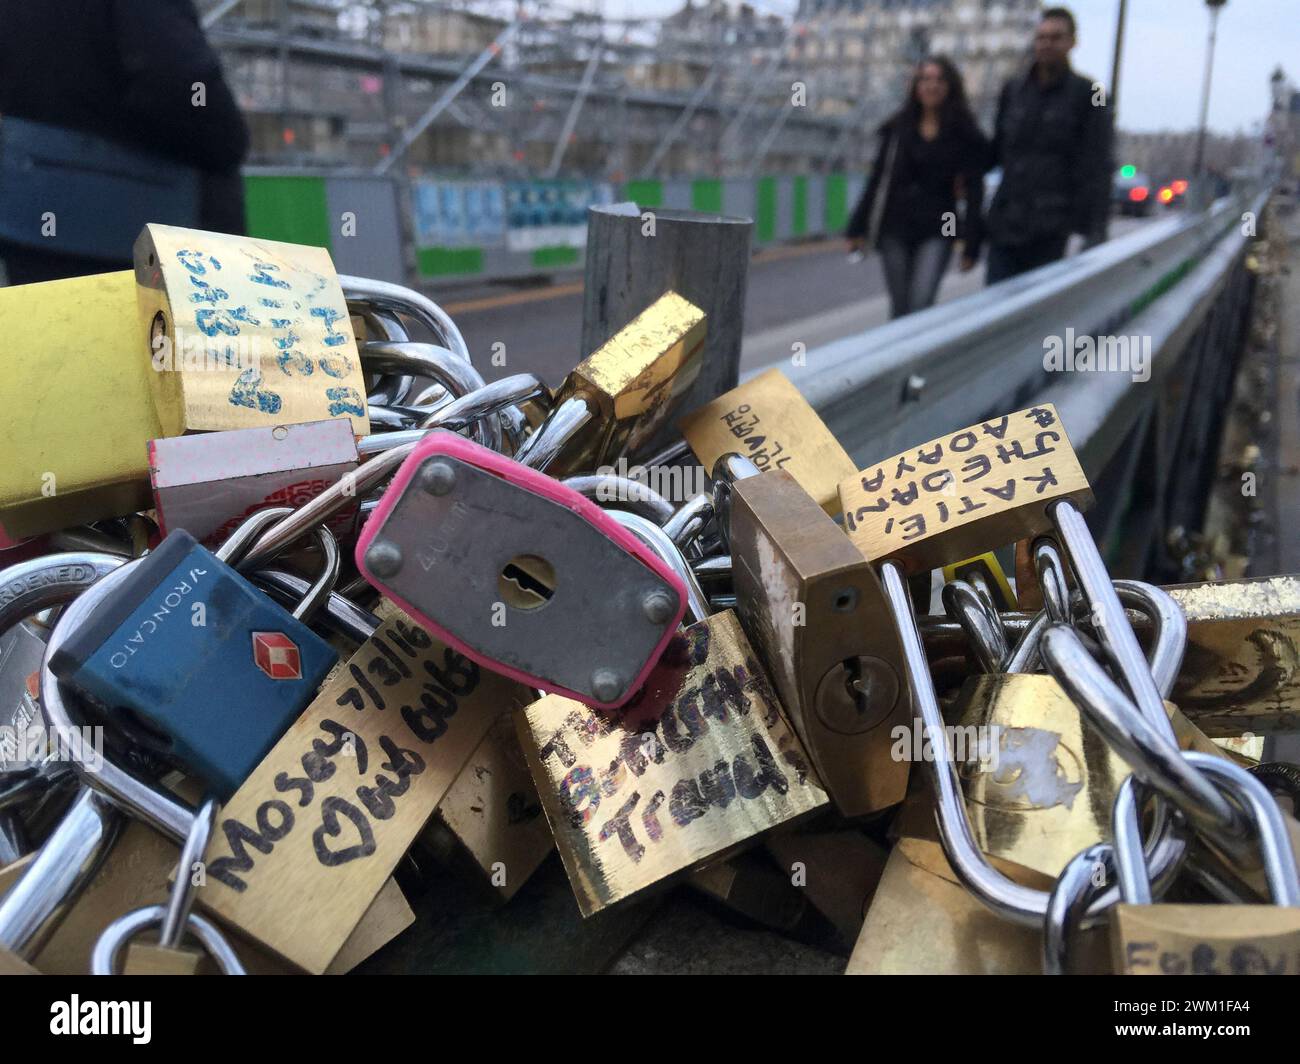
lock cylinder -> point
(188, 649)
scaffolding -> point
(529, 88)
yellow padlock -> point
(76, 396)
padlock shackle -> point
(63, 867)
(142, 799)
(389, 388)
(1111, 624)
(104, 957)
(402, 300)
(181, 899)
(341, 615)
(444, 366)
(1068, 903)
(654, 537)
(1154, 757)
(728, 469)
(611, 489)
(562, 424)
(980, 621)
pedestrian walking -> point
(932, 154)
(1052, 139)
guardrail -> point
(1176, 288)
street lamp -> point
(1214, 6)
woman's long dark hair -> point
(954, 113)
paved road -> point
(808, 292)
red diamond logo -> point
(277, 655)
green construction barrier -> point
(706, 195)
(836, 208)
(799, 213)
(765, 210)
(287, 208)
(438, 262)
(559, 255)
(644, 193)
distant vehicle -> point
(1172, 194)
(1131, 192)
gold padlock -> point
(700, 762)
(491, 819)
(964, 492)
(767, 420)
(244, 332)
(344, 792)
(1241, 670)
(1038, 782)
(817, 617)
(619, 396)
(1158, 939)
(81, 456)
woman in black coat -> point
(931, 154)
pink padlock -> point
(520, 573)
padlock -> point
(1241, 671)
(964, 492)
(910, 512)
(490, 819)
(816, 615)
(621, 394)
(169, 955)
(1159, 939)
(839, 868)
(244, 332)
(210, 482)
(197, 658)
(699, 762)
(81, 455)
(519, 573)
(309, 840)
(1038, 782)
(767, 420)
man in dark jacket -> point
(138, 73)
(1052, 140)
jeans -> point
(1007, 260)
(913, 272)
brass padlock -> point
(699, 762)
(341, 796)
(1038, 782)
(244, 332)
(621, 394)
(817, 617)
(490, 819)
(1241, 671)
(1157, 939)
(767, 420)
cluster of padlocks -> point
(266, 599)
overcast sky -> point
(1164, 55)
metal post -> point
(1114, 67)
(1199, 164)
(702, 257)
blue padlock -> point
(199, 656)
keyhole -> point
(527, 582)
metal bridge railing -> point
(1176, 288)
